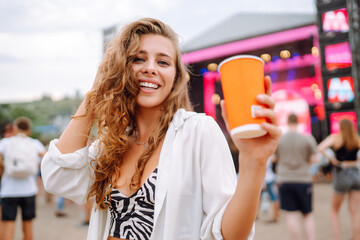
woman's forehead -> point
(158, 44)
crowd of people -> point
(295, 158)
(20, 179)
(21, 159)
(288, 180)
(158, 170)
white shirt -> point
(196, 179)
(19, 187)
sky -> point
(53, 47)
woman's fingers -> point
(272, 130)
(266, 100)
(268, 84)
(108, 50)
(268, 114)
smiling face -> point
(154, 69)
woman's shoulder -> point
(334, 136)
(190, 117)
(199, 127)
(197, 123)
(335, 140)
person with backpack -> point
(22, 156)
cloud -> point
(8, 59)
(54, 46)
(56, 78)
(55, 63)
(61, 15)
(47, 46)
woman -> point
(346, 176)
(156, 170)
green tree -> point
(19, 111)
(5, 116)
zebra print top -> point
(133, 217)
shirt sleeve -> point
(67, 175)
(313, 145)
(39, 146)
(218, 178)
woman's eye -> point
(164, 63)
(137, 59)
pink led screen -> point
(335, 21)
(336, 117)
(340, 89)
(338, 56)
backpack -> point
(21, 157)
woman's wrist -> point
(252, 169)
(252, 161)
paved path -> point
(48, 226)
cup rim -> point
(239, 56)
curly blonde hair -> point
(112, 105)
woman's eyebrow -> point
(165, 55)
(162, 54)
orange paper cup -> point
(242, 79)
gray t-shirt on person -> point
(294, 153)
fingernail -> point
(257, 113)
(260, 97)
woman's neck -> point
(147, 120)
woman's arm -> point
(241, 211)
(349, 164)
(327, 143)
(76, 134)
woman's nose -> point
(149, 68)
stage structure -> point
(289, 45)
(338, 25)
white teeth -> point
(148, 85)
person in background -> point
(19, 192)
(270, 188)
(59, 212)
(157, 169)
(7, 131)
(41, 191)
(1, 173)
(294, 155)
(86, 209)
(345, 174)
